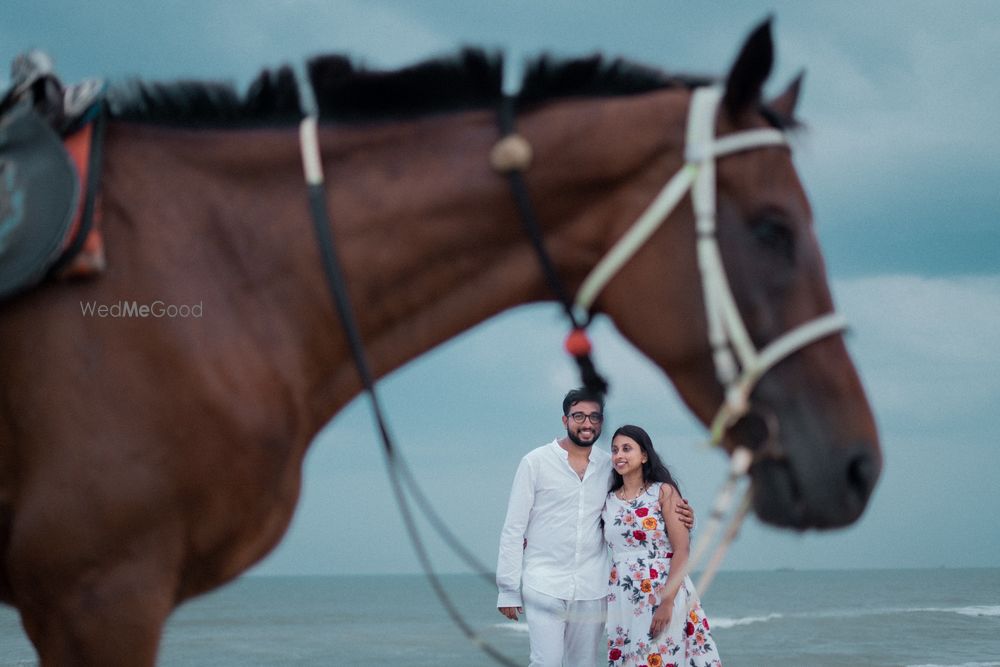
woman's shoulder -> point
(665, 492)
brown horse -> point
(145, 460)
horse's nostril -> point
(751, 431)
(862, 473)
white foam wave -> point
(963, 664)
(723, 622)
(980, 610)
(976, 611)
(513, 627)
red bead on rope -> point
(577, 343)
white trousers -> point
(566, 633)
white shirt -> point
(560, 517)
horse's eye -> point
(775, 234)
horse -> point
(147, 459)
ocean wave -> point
(723, 622)
(981, 610)
(963, 664)
(975, 611)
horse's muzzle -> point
(826, 494)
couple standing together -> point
(571, 501)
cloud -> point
(926, 347)
(230, 41)
(883, 88)
(937, 320)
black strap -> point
(342, 301)
(528, 218)
(592, 380)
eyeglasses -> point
(594, 417)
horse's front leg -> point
(89, 593)
(113, 619)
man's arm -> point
(512, 541)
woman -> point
(649, 622)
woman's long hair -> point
(653, 470)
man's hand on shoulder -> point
(685, 512)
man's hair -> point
(582, 394)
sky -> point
(900, 162)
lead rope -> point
(313, 169)
(739, 465)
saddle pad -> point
(39, 193)
(82, 258)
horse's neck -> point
(428, 233)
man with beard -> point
(553, 562)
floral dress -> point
(640, 555)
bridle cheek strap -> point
(738, 363)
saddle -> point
(50, 139)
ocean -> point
(909, 618)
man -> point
(553, 562)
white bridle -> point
(738, 363)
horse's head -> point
(765, 343)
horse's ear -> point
(785, 103)
(748, 74)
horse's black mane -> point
(272, 99)
(472, 79)
(595, 76)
